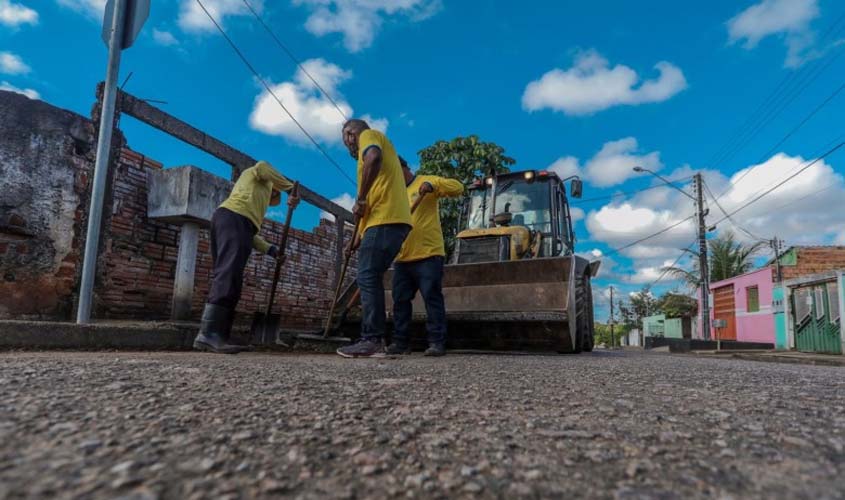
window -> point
(752, 299)
(833, 301)
(819, 302)
(803, 304)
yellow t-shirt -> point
(426, 238)
(251, 196)
(387, 202)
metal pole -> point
(702, 258)
(95, 213)
(612, 341)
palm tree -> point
(727, 258)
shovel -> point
(266, 324)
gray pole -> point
(95, 213)
(612, 341)
(702, 258)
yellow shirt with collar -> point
(426, 238)
(386, 201)
(251, 196)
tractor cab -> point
(514, 216)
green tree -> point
(727, 258)
(602, 334)
(465, 159)
(677, 305)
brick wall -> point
(814, 260)
(48, 157)
(138, 262)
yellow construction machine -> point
(514, 281)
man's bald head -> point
(351, 131)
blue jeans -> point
(426, 276)
(379, 246)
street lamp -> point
(640, 170)
(701, 212)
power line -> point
(629, 193)
(814, 193)
(776, 102)
(819, 151)
(270, 91)
(666, 269)
(654, 235)
(294, 59)
(722, 209)
(808, 165)
(790, 134)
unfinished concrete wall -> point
(46, 161)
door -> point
(817, 319)
(724, 307)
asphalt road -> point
(602, 425)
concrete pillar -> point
(183, 286)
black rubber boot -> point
(214, 331)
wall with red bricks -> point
(138, 261)
(815, 260)
(137, 258)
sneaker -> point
(435, 350)
(364, 348)
(397, 349)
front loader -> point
(514, 281)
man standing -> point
(383, 217)
(234, 233)
(419, 265)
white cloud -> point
(576, 214)
(91, 8)
(565, 166)
(612, 165)
(787, 19)
(615, 162)
(591, 85)
(14, 14)
(31, 93)
(359, 21)
(164, 38)
(345, 200)
(800, 212)
(12, 64)
(310, 107)
(193, 19)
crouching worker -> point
(234, 233)
(419, 265)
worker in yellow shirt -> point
(234, 234)
(419, 265)
(383, 216)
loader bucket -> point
(513, 305)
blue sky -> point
(587, 87)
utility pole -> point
(702, 257)
(775, 244)
(122, 22)
(612, 341)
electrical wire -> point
(270, 91)
(674, 264)
(295, 59)
(781, 183)
(654, 235)
(629, 193)
(722, 209)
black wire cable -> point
(654, 235)
(270, 91)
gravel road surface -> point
(619, 424)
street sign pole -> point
(95, 213)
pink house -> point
(745, 303)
